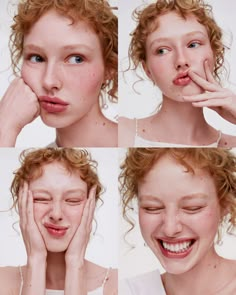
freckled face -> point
(179, 214)
(63, 60)
(172, 52)
(59, 200)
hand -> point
(77, 247)
(215, 97)
(34, 243)
(18, 107)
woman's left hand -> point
(215, 97)
(76, 250)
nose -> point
(55, 213)
(171, 224)
(52, 77)
(181, 60)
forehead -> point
(173, 25)
(168, 178)
(51, 26)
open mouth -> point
(182, 80)
(178, 249)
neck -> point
(92, 130)
(207, 277)
(184, 124)
(56, 270)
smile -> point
(177, 249)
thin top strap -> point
(106, 276)
(136, 127)
(219, 137)
(21, 280)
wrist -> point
(8, 136)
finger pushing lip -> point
(53, 104)
(55, 230)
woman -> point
(185, 64)
(55, 191)
(67, 78)
(179, 222)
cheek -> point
(148, 224)
(30, 77)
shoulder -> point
(227, 141)
(103, 275)
(9, 280)
(126, 132)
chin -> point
(55, 121)
(56, 247)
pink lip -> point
(53, 104)
(173, 255)
(182, 79)
(56, 230)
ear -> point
(146, 70)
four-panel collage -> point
(117, 147)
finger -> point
(30, 208)
(23, 204)
(208, 73)
(210, 103)
(204, 96)
(202, 82)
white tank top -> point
(142, 142)
(98, 291)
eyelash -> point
(30, 56)
(194, 42)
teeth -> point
(177, 248)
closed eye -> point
(74, 201)
(41, 200)
(192, 210)
(75, 59)
(153, 210)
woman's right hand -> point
(34, 242)
(18, 107)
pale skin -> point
(68, 271)
(174, 213)
(71, 69)
(182, 111)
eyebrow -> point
(189, 197)
(190, 34)
(66, 47)
(70, 191)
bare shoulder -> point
(227, 141)
(126, 132)
(102, 275)
(9, 280)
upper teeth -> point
(178, 247)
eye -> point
(193, 209)
(35, 58)
(162, 51)
(75, 59)
(74, 201)
(41, 200)
(153, 210)
(194, 45)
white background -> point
(133, 105)
(140, 259)
(102, 248)
(36, 133)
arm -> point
(75, 268)
(18, 107)
(34, 281)
(111, 286)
